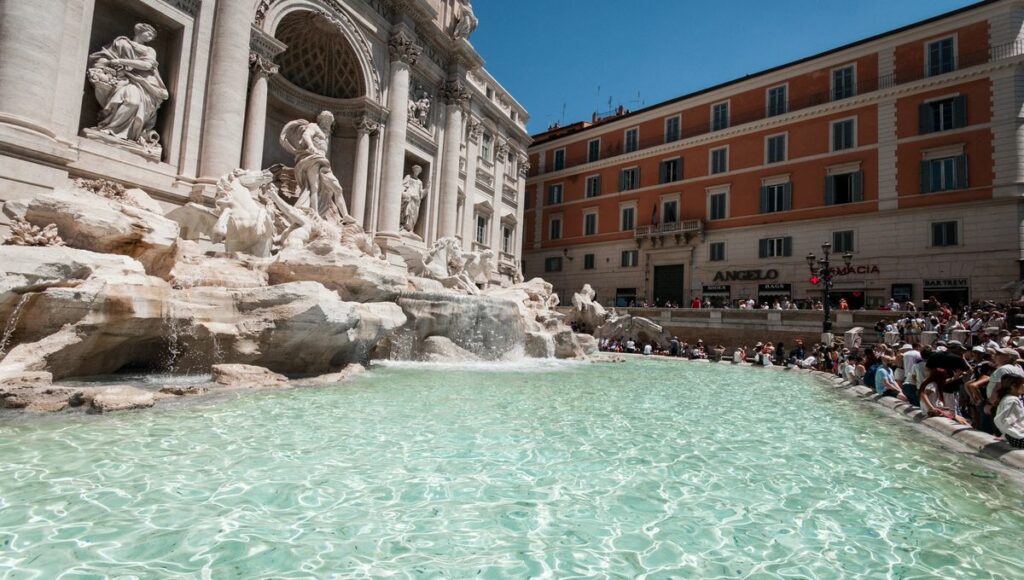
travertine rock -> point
(354, 276)
(190, 268)
(118, 398)
(184, 390)
(441, 349)
(345, 375)
(240, 376)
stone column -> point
(256, 111)
(404, 53)
(31, 37)
(456, 95)
(476, 129)
(226, 84)
(500, 160)
(524, 171)
(364, 127)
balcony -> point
(796, 103)
(684, 230)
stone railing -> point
(682, 227)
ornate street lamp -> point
(821, 273)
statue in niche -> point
(465, 20)
(127, 84)
(419, 109)
(413, 195)
(318, 188)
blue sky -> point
(578, 53)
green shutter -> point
(925, 181)
(787, 197)
(663, 168)
(636, 183)
(830, 190)
(622, 180)
(925, 118)
(764, 200)
(787, 246)
(960, 111)
(961, 172)
(858, 186)
(762, 249)
(597, 185)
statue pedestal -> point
(153, 153)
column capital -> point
(403, 48)
(456, 92)
(476, 129)
(367, 125)
(502, 151)
(260, 65)
(524, 164)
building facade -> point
(905, 149)
(400, 77)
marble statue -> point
(127, 84)
(413, 195)
(586, 310)
(481, 268)
(447, 263)
(465, 21)
(317, 185)
(243, 224)
(419, 110)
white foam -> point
(526, 365)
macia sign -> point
(847, 270)
(747, 275)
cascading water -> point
(490, 328)
(12, 323)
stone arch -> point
(270, 14)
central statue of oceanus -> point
(318, 188)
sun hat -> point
(906, 348)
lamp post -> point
(821, 268)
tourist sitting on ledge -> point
(1009, 416)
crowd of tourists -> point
(964, 364)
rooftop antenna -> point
(563, 113)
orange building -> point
(906, 149)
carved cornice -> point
(264, 44)
(403, 48)
(456, 92)
(190, 7)
(260, 65)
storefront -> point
(952, 291)
(770, 293)
(903, 293)
(718, 295)
(625, 297)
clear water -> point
(504, 471)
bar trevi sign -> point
(947, 283)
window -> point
(590, 224)
(719, 160)
(720, 116)
(593, 150)
(844, 134)
(775, 198)
(943, 114)
(555, 194)
(945, 174)
(630, 258)
(670, 212)
(844, 188)
(481, 229)
(555, 228)
(718, 203)
(588, 261)
(941, 56)
(775, 148)
(945, 234)
(716, 252)
(627, 217)
(553, 264)
(629, 179)
(487, 147)
(842, 242)
(671, 170)
(672, 128)
(506, 239)
(559, 159)
(593, 186)
(843, 83)
(775, 247)
(632, 140)
(778, 103)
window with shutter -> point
(762, 250)
(787, 246)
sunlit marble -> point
(505, 470)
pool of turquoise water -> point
(507, 470)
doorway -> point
(668, 285)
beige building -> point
(403, 82)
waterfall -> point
(12, 323)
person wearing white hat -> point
(911, 356)
(1005, 360)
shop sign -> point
(948, 283)
(717, 289)
(773, 287)
(747, 275)
(847, 270)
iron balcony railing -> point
(667, 228)
(613, 148)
